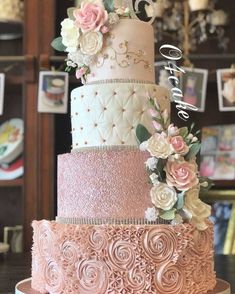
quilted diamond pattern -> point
(107, 114)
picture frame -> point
(218, 152)
(226, 88)
(2, 91)
(53, 92)
(193, 84)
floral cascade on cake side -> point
(173, 171)
(85, 31)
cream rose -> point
(159, 146)
(91, 43)
(199, 210)
(90, 17)
(179, 145)
(70, 35)
(163, 196)
(181, 174)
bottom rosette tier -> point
(122, 258)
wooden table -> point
(17, 267)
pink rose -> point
(80, 72)
(90, 17)
(181, 174)
(179, 145)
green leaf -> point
(58, 45)
(70, 11)
(191, 127)
(160, 168)
(180, 202)
(109, 5)
(168, 215)
(193, 150)
(3, 149)
(184, 132)
(142, 133)
(197, 132)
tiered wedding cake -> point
(107, 237)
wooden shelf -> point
(11, 183)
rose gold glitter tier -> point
(221, 287)
(134, 259)
(103, 183)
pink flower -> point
(181, 174)
(153, 112)
(157, 126)
(90, 17)
(179, 145)
(80, 72)
(104, 29)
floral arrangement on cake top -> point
(83, 32)
(173, 171)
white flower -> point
(194, 139)
(143, 146)
(172, 130)
(159, 146)
(151, 163)
(163, 196)
(154, 179)
(219, 18)
(113, 18)
(151, 214)
(70, 35)
(199, 210)
(190, 136)
(80, 59)
(177, 220)
(91, 43)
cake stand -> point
(24, 287)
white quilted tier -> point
(108, 182)
(107, 114)
(128, 52)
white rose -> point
(199, 210)
(151, 163)
(80, 59)
(113, 18)
(163, 196)
(151, 214)
(154, 179)
(91, 43)
(159, 146)
(70, 35)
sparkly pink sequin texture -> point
(103, 183)
(130, 259)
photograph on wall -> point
(226, 89)
(53, 92)
(2, 87)
(162, 75)
(194, 85)
(218, 152)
